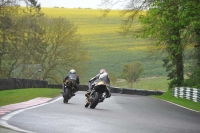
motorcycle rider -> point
(103, 76)
(75, 79)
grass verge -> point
(151, 83)
(21, 95)
(180, 101)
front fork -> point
(88, 95)
(101, 100)
(87, 101)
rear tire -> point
(95, 100)
(66, 96)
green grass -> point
(21, 95)
(180, 101)
(151, 83)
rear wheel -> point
(66, 96)
(95, 100)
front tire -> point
(95, 100)
(87, 104)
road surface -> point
(118, 114)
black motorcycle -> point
(68, 91)
(97, 95)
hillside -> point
(107, 48)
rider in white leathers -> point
(103, 76)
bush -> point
(194, 79)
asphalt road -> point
(118, 114)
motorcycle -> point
(68, 91)
(97, 95)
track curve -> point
(120, 113)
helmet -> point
(72, 71)
(102, 71)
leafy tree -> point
(6, 36)
(132, 71)
(175, 24)
(27, 37)
(162, 22)
(189, 13)
(61, 49)
(16, 32)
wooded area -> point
(28, 39)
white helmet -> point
(72, 71)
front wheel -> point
(95, 100)
(87, 104)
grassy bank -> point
(150, 83)
(180, 101)
(21, 95)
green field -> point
(107, 48)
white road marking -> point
(4, 119)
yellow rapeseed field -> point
(95, 29)
(107, 48)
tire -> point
(66, 96)
(95, 100)
(87, 104)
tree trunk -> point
(2, 53)
(197, 49)
(177, 61)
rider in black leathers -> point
(74, 77)
(103, 76)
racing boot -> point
(87, 94)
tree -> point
(55, 46)
(132, 71)
(61, 49)
(190, 16)
(16, 33)
(7, 13)
(27, 37)
(162, 22)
